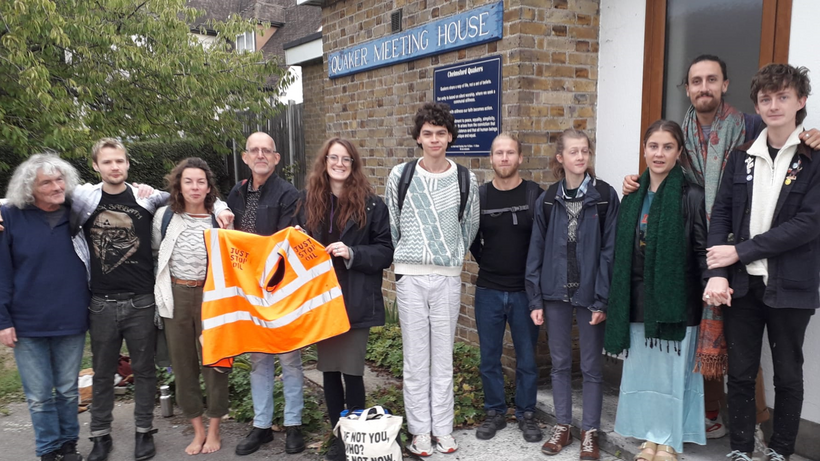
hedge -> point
(150, 162)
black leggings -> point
(335, 395)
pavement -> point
(17, 437)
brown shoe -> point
(559, 439)
(589, 445)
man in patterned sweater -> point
(430, 240)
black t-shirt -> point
(773, 151)
(504, 254)
(119, 240)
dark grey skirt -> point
(344, 353)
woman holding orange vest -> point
(181, 267)
(340, 209)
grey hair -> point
(20, 192)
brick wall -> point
(549, 57)
(313, 117)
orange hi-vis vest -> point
(271, 294)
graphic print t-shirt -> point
(119, 237)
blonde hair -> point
(107, 142)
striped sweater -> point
(427, 235)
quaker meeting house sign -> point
(474, 27)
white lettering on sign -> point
(462, 29)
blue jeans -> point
(48, 368)
(262, 373)
(493, 310)
(114, 318)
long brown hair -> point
(174, 180)
(354, 194)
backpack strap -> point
(603, 204)
(463, 185)
(463, 188)
(533, 191)
(404, 181)
(166, 220)
(549, 200)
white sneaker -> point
(421, 445)
(446, 443)
(715, 428)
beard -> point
(707, 105)
(505, 172)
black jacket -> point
(371, 252)
(694, 222)
(276, 204)
(791, 245)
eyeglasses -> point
(336, 159)
(264, 150)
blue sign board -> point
(473, 92)
(473, 27)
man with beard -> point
(117, 224)
(712, 129)
(507, 207)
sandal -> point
(666, 453)
(648, 450)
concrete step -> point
(625, 447)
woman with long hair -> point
(569, 267)
(181, 267)
(340, 209)
(655, 302)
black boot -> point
(294, 440)
(69, 452)
(254, 440)
(336, 450)
(102, 446)
(53, 456)
(144, 445)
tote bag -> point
(370, 436)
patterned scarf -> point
(664, 266)
(707, 160)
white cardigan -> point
(163, 293)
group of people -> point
(718, 238)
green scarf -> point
(664, 265)
(708, 157)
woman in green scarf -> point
(655, 302)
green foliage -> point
(150, 162)
(391, 312)
(384, 349)
(73, 71)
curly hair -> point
(173, 182)
(20, 192)
(352, 202)
(556, 167)
(436, 114)
(778, 77)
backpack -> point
(166, 220)
(533, 190)
(463, 185)
(603, 205)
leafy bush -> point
(384, 349)
(150, 162)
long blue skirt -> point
(661, 398)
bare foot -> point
(213, 442)
(196, 445)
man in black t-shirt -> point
(500, 248)
(116, 222)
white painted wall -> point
(620, 77)
(294, 91)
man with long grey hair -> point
(44, 298)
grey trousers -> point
(182, 333)
(558, 316)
